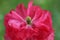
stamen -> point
(28, 20)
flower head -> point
(32, 23)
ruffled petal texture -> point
(17, 28)
(21, 10)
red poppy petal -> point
(51, 36)
(35, 12)
(12, 16)
(45, 18)
(29, 7)
(21, 10)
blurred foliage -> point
(51, 5)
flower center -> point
(28, 20)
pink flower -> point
(32, 23)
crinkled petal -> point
(29, 7)
(33, 11)
(7, 37)
(45, 18)
(21, 10)
(12, 16)
(50, 37)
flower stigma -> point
(28, 20)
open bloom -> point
(32, 23)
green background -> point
(52, 5)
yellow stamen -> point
(28, 20)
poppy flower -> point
(32, 23)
